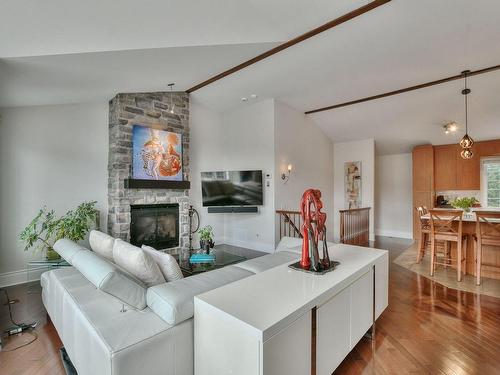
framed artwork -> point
(352, 183)
(157, 154)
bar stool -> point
(487, 233)
(446, 225)
(424, 240)
(425, 230)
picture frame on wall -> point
(352, 184)
(157, 154)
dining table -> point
(491, 254)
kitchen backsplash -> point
(450, 195)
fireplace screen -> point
(155, 225)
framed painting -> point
(352, 183)
(157, 154)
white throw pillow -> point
(102, 244)
(134, 260)
(167, 263)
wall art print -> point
(352, 182)
(157, 154)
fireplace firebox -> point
(155, 225)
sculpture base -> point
(297, 266)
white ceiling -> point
(141, 48)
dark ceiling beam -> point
(327, 26)
(406, 89)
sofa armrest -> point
(174, 301)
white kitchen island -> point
(263, 324)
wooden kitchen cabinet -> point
(452, 172)
(468, 170)
(423, 181)
(445, 167)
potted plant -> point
(45, 229)
(206, 238)
(464, 203)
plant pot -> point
(205, 245)
(52, 255)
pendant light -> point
(172, 105)
(466, 142)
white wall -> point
(393, 195)
(298, 141)
(363, 151)
(236, 140)
(54, 156)
(206, 153)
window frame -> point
(484, 182)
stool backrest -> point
(446, 222)
(488, 225)
(422, 211)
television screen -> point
(232, 188)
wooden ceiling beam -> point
(406, 89)
(327, 26)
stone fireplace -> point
(151, 110)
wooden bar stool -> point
(446, 225)
(487, 233)
(424, 240)
(425, 230)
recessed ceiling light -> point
(244, 99)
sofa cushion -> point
(102, 244)
(137, 262)
(290, 244)
(67, 249)
(110, 279)
(166, 262)
(102, 338)
(260, 264)
(174, 302)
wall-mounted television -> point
(232, 188)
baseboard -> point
(393, 233)
(21, 276)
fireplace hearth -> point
(155, 225)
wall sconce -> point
(286, 176)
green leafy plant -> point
(45, 228)
(206, 233)
(464, 203)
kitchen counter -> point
(491, 254)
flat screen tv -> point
(232, 188)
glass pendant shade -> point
(466, 141)
(466, 153)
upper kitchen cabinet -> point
(445, 167)
(468, 170)
(423, 168)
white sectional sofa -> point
(152, 334)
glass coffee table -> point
(222, 259)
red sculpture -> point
(313, 231)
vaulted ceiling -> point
(62, 51)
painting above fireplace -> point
(155, 225)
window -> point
(490, 182)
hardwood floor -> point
(427, 329)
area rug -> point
(448, 276)
(68, 366)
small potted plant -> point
(45, 229)
(464, 203)
(206, 238)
